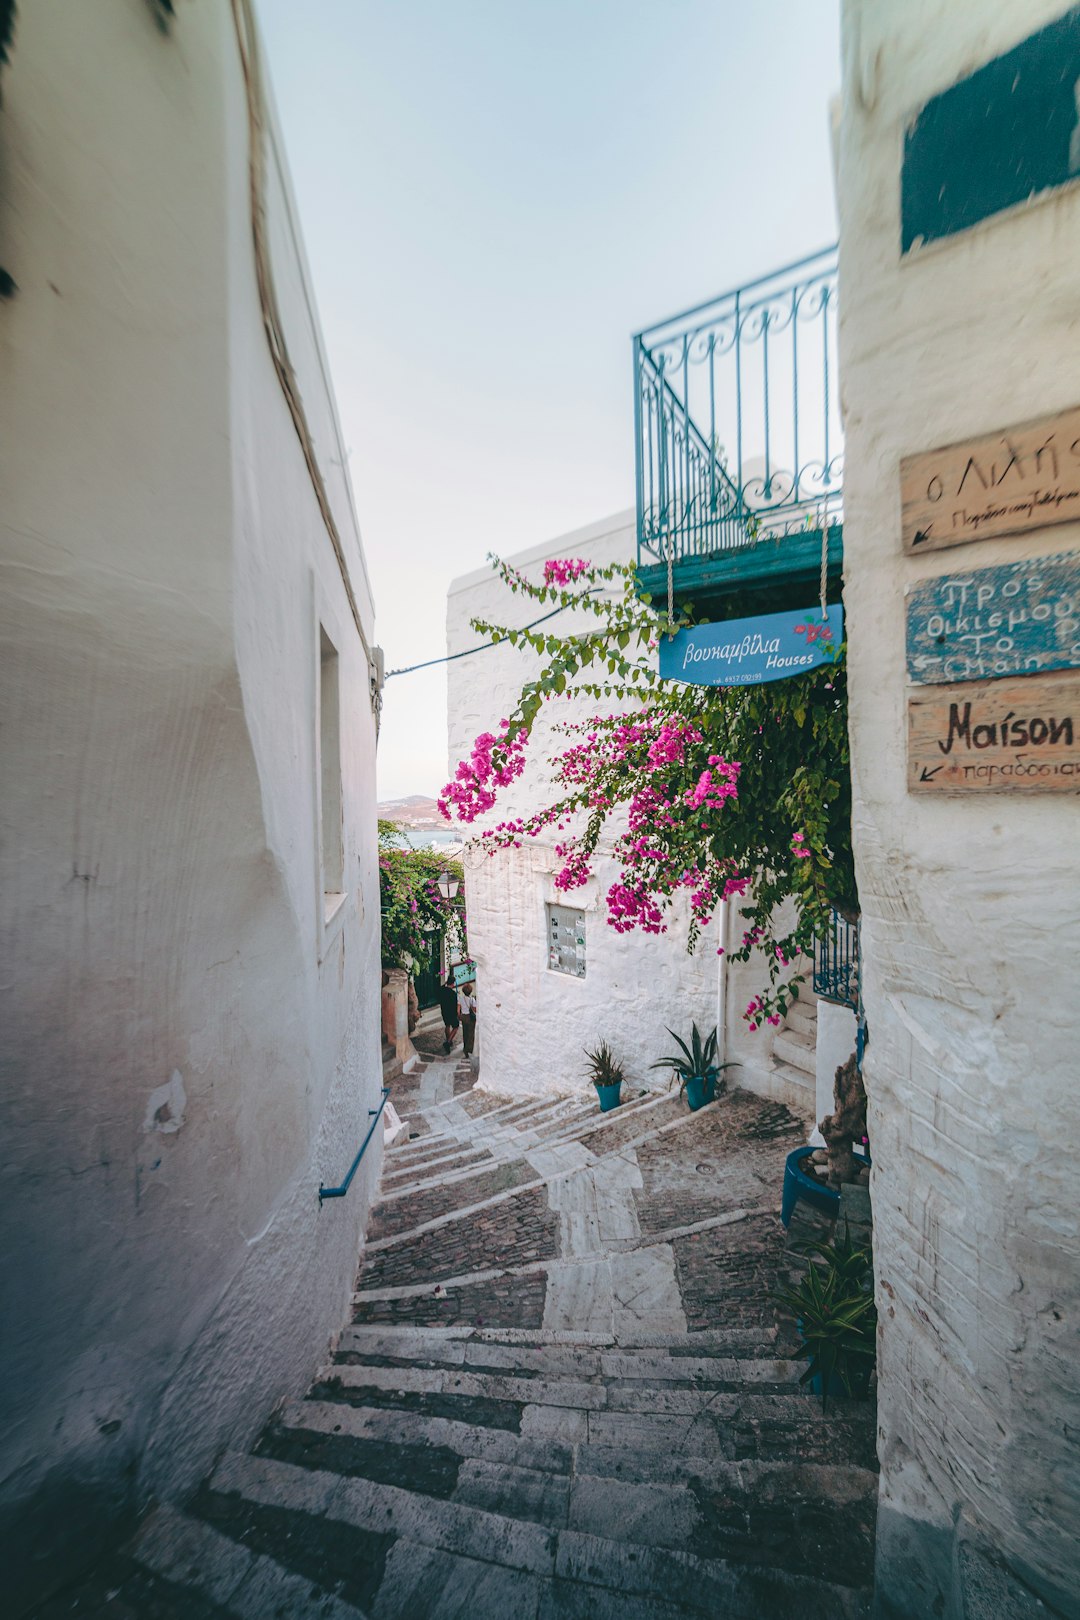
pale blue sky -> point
(494, 195)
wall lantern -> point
(448, 885)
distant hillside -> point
(415, 811)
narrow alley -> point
(565, 1392)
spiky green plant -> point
(833, 1305)
(604, 1069)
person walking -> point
(448, 1006)
(466, 1003)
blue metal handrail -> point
(755, 368)
(836, 963)
(339, 1192)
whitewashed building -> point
(190, 899)
(960, 219)
(553, 977)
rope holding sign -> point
(670, 582)
(824, 562)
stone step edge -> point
(555, 1100)
(679, 1123)
(579, 1114)
(532, 1268)
(564, 1129)
(568, 1136)
(837, 1483)
(568, 1391)
(492, 1538)
(537, 1338)
(193, 1555)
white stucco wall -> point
(534, 1024)
(971, 921)
(189, 1051)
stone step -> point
(325, 1501)
(798, 1087)
(190, 1554)
(813, 1517)
(802, 1015)
(590, 1362)
(580, 1393)
(795, 1047)
(380, 1338)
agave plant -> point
(603, 1068)
(836, 1316)
(693, 1061)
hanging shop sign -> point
(749, 652)
(1013, 619)
(996, 737)
(1003, 483)
(464, 973)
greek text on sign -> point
(1003, 483)
(1013, 619)
(996, 737)
(749, 652)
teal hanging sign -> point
(749, 652)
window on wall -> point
(332, 854)
(566, 941)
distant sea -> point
(425, 837)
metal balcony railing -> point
(737, 417)
(836, 963)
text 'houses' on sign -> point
(750, 652)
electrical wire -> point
(468, 651)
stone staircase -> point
(793, 1061)
(565, 1394)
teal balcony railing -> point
(737, 417)
(836, 963)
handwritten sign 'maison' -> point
(1014, 619)
(1004, 483)
(749, 652)
(996, 737)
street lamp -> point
(448, 885)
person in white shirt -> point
(467, 1013)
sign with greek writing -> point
(997, 736)
(1013, 619)
(464, 973)
(1003, 483)
(749, 652)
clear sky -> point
(494, 195)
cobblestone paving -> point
(504, 1302)
(410, 1210)
(513, 1233)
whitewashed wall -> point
(535, 1023)
(189, 1051)
(971, 906)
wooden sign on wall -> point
(1003, 483)
(1012, 619)
(996, 736)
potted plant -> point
(606, 1075)
(834, 1310)
(696, 1068)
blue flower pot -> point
(609, 1096)
(797, 1184)
(697, 1093)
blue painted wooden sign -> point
(464, 973)
(1006, 133)
(749, 652)
(1012, 619)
